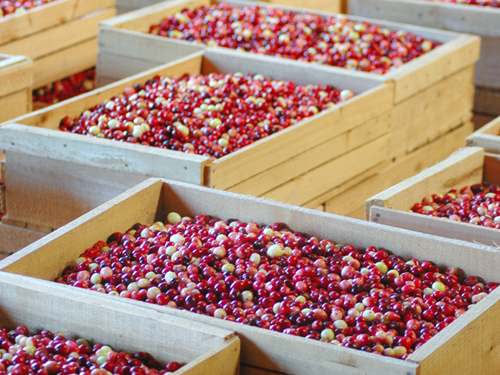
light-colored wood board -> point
(432, 112)
(432, 67)
(343, 201)
(65, 63)
(111, 68)
(25, 301)
(491, 128)
(443, 227)
(331, 174)
(462, 168)
(103, 153)
(251, 370)
(84, 7)
(142, 47)
(487, 101)
(13, 239)
(483, 21)
(487, 71)
(42, 191)
(129, 5)
(15, 104)
(487, 137)
(262, 348)
(16, 76)
(313, 157)
(331, 6)
(48, 41)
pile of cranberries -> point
(484, 3)
(19, 6)
(334, 40)
(211, 115)
(277, 279)
(66, 88)
(47, 353)
(476, 204)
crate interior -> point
(26, 302)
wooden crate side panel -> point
(16, 77)
(52, 193)
(39, 18)
(223, 360)
(331, 6)
(331, 174)
(461, 18)
(432, 112)
(437, 226)
(15, 104)
(50, 117)
(103, 153)
(84, 7)
(432, 67)
(141, 19)
(314, 157)
(54, 307)
(46, 42)
(487, 102)
(262, 155)
(135, 4)
(358, 193)
(65, 63)
(491, 128)
(469, 346)
(487, 74)
(112, 68)
(13, 239)
(491, 169)
(464, 167)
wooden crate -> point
(209, 350)
(60, 37)
(123, 6)
(479, 20)
(465, 167)
(16, 79)
(454, 350)
(353, 133)
(349, 199)
(487, 137)
(433, 93)
(13, 239)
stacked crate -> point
(479, 20)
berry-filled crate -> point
(328, 148)
(264, 351)
(487, 137)
(399, 205)
(74, 323)
(474, 19)
(59, 36)
(16, 76)
(433, 93)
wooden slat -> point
(487, 137)
(487, 101)
(103, 153)
(331, 174)
(443, 227)
(84, 7)
(432, 112)
(16, 104)
(16, 77)
(13, 239)
(314, 157)
(111, 68)
(52, 193)
(46, 42)
(342, 201)
(432, 67)
(464, 167)
(62, 64)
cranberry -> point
(66, 88)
